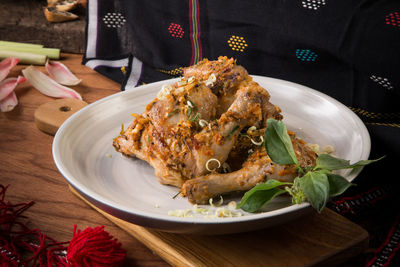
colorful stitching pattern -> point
(114, 20)
(351, 204)
(176, 30)
(306, 55)
(313, 4)
(393, 19)
(373, 115)
(396, 125)
(237, 43)
(382, 81)
(386, 252)
(195, 32)
(174, 72)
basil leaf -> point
(316, 188)
(337, 184)
(328, 162)
(365, 162)
(278, 143)
(260, 198)
(260, 195)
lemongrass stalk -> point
(18, 44)
(52, 53)
(24, 57)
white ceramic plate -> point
(128, 189)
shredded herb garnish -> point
(173, 112)
(191, 106)
(177, 194)
(233, 130)
(195, 117)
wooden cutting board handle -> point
(50, 116)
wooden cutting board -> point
(326, 239)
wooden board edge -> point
(160, 244)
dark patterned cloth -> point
(348, 49)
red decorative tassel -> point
(94, 247)
(21, 246)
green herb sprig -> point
(195, 117)
(314, 184)
(191, 108)
(232, 131)
(173, 112)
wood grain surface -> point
(27, 166)
(325, 239)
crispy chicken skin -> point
(200, 118)
(228, 78)
(258, 168)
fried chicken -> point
(194, 126)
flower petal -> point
(48, 86)
(8, 103)
(61, 74)
(6, 65)
(8, 85)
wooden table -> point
(27, 166)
